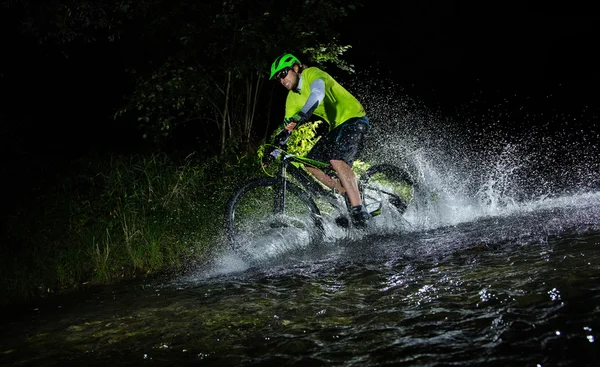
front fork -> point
(281, 190)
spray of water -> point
(470, 166)
(473, 165)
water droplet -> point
(554, 294)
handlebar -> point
(281, 139)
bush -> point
(116, 218)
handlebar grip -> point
(302, 118)
(282, 138)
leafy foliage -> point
(196, 62)
(330, 53)
(238, 42)
(171, 96)
(117, 218)
(304, 138)
(73, 21)
(300, 142)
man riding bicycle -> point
(313, 91)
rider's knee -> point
(339, 163)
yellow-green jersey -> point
(338, 104)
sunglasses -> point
(282, 73)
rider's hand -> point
(300, 117)
(290, 123)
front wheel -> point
(386, 184)
(263, 219)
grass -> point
(105, 220)
(100, 221)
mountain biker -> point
(313, 91)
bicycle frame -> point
(293, 196)
(290, 164)
(311, 198)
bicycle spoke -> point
(257, 219)
(385, 185)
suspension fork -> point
(280, 195)
(303, 179)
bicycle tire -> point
(386, 183)
(253, 205)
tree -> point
(197, 62)
(225, 54)
(71, 21)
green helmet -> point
(282, 62)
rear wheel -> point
(260, 222)
(385, 184)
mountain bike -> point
(293, 199)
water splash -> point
(480, 162)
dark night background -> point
(448, 55)
(445, 54)
(437, 52)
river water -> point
(517, 289)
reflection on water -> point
(506, 291)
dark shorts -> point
(342, 143)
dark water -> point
(514, 289)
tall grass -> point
(116, 218)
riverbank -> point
(99, 220)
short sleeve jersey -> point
(337, 106)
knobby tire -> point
(258, 202)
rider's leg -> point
(348, 180)
(360, 215)
(340, 146)
(327, 180)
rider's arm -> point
(317, 94)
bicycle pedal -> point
(375, 213)
(342, 222)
